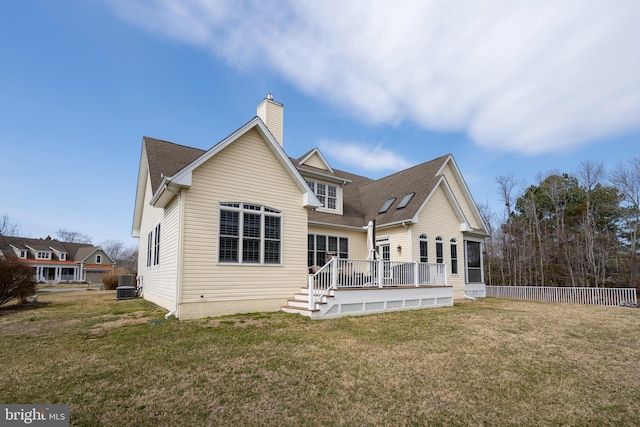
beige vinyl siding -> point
(245, 171)
(271, 114)
(459, 194)
(160, 280)
(438, 218)
(315, 162)
(357, 239)
(397, 235)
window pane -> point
(271, 227)
(229, 223)
(344, 248)
(473, 254)
(251, 225)
(321, 243)
(272, 252)
(331, 203)
(424, 252)
(439, 253)
(333, 244)
(228, 249)
(250, 250)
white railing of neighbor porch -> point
(593, 296)
(351, 273)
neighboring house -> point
(240, 227)
(54, 261)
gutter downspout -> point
(469, 297)
(178, 263)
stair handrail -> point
(322, 282)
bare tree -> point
(125, 257)
(627, 179)
(72, 236)
(7, 227)
(113, 248)
(506, 185)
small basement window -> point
(387, 205)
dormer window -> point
(63, 256)
(327, 194)
(23, 254)
(43, 255)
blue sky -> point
(507, 87)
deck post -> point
(334, 272)
(380, 272)
(416, 271)
(312, 301)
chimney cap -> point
(270, 96)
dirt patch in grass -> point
(17, 308)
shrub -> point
(110, 279)
(16, 280)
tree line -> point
(579, 229)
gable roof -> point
(76, 252)
(171, 165)
(363, 197)
(166, 158)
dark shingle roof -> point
(76, 251)
(362, 197)
(166, 158)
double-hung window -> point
(424, 248)
(249, 234)
(320, 246)
(153, 246)
(327, 194)
(454, 256)
(439, 250)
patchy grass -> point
(490, 362)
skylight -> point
(387, 205)
(405, 200)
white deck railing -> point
(350, 273)
(593, 296)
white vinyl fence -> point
(593, 296)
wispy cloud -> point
(530, 76)
(364, 157)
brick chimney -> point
(271, 113)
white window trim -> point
(312, 183)
(263, 211)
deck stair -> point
(299, 304)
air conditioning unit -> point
(125, 292)
(127, 280)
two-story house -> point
(54, 261)
(242, 227)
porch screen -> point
(474, 262)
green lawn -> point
(489, 362)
